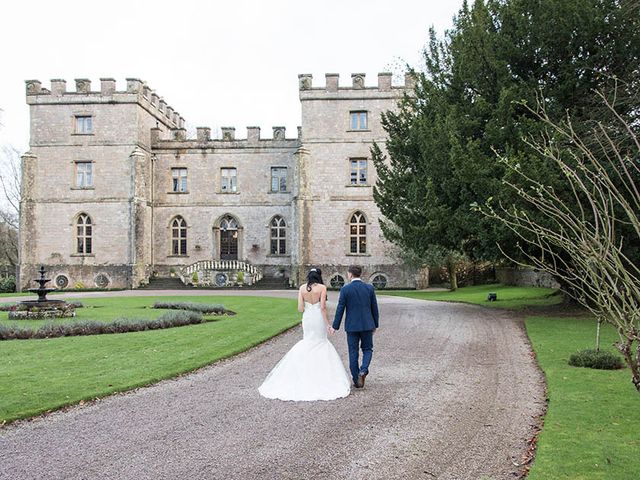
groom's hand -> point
(331, 330)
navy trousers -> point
(357, 341)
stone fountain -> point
(42, 307)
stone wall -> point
(525, 278)
(87, 276)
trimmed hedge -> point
(92, 327)
(601, 360)
(204, 308)
(11, 307)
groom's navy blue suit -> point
(359, 299)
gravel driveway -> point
(453, 394)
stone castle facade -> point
(115, 193)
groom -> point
(361, 322)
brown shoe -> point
(361, 378)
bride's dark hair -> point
(314, 276)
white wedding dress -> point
(312, 369)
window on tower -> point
(359, 120)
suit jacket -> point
(359, 299)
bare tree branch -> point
(581, 239)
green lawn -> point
(16, 294)
(41, 375)
(591, 430)
(508, 297)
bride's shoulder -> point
(303, 287)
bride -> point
(312, 369)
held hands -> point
(330, 330)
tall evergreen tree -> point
(470, 104)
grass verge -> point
(37, 376)
(591, 427)
(508, 297)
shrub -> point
(8, 284)
(92, 327)
(240, 277)
(602, 360)
(194, 277)
(204, 308)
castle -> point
(114, 193)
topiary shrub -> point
(601, 360)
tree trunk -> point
(598, 335)
(453, 274)
(632, 360)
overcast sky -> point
(232, 63)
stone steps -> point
(166, 283)
(271, 283)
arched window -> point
(84, 234)
(278, 236)
(358, 233)
(228, 238)
(178, 236)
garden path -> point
(454, 393)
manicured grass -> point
(16, 294)
(508, 297)
(591, 427)
(41, 375)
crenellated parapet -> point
(135, 91)
(177, 138)
(357, 88)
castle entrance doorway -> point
(228, 238)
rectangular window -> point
(179, 179)
(84, 174)
(358, 171)
(278, 179)
(84, 124)
(359, 120)
(228, 180)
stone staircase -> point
(271, 283)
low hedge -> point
(204, 308)
(601, 360)
(92, 327)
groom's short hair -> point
(355, 270)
